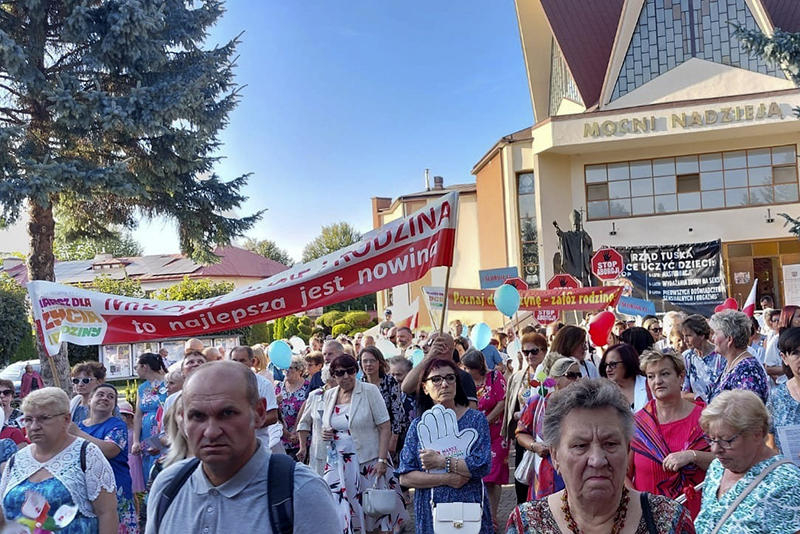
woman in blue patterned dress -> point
(784, 399)
(731, 335)
(59, 469)
(439, 384)
(85, 377)
(703, 363)
(152, 394)
(736, 425)
(110, 434)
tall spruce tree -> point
(782, 48)
(110, 112)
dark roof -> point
(585, 32)
(234, 263)
(461, 188)
(785, 14)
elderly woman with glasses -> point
(355, 423)
(60, 469)
(436, 477)
(620, 364)
(587, 428)
(748, 488)
(521, 386)
(731, 330)
(668, 454)
(546, 480)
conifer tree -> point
(110, 112)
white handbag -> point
(377, 502)
(457, 517)
(524, 471)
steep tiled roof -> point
(585, 31)
(234, 263)
(785, 14)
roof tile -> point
(785, 14)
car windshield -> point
(13, 371)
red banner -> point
(592, 299)
(397, 253)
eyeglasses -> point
(724, 444)
(341, 372)
(7, 392)
(572, 376)
(535, 350)
(77, 381)
(42, 419)
(436, 380)
(655, 329)
(612, 365)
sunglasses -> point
(339, 373)
(535, 350)
(655, 329)
(7, 392)
(572, 376)
(77, 381)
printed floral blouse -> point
(748, 374)
(289, 404)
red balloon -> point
(600, 328)
(719, 308)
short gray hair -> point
(587, 394)
(42, 399)
(739, 408)
(733, 324)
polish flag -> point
(750, 304)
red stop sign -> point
(563, 281)
(607, 264)
(518, 283)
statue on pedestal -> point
(575, 251)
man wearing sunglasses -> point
(440, 345)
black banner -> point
(675, 277)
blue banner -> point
(636, 307)
(492, 278)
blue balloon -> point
(280, 354)
(480, 336)
(416, 356)
(506, 299)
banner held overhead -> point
(397, 253)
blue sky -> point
(350, 100)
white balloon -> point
(298, 345)
(387, 348)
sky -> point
(345, 101)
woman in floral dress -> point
(291, 393)
(152, 394)
(356, 427)
(784, 399)
(732, 336)
(110, 434)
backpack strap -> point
(280, 493)
(647, 513)
(172, 489)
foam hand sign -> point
(438, 431)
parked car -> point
(14, 373)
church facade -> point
(655, 125)
(658, 128)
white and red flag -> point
(750, 304)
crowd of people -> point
(673, 426)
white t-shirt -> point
(271, 434)
(772, 358)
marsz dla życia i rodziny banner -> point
(397, 253)
(675, 277)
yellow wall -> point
(492, 215)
